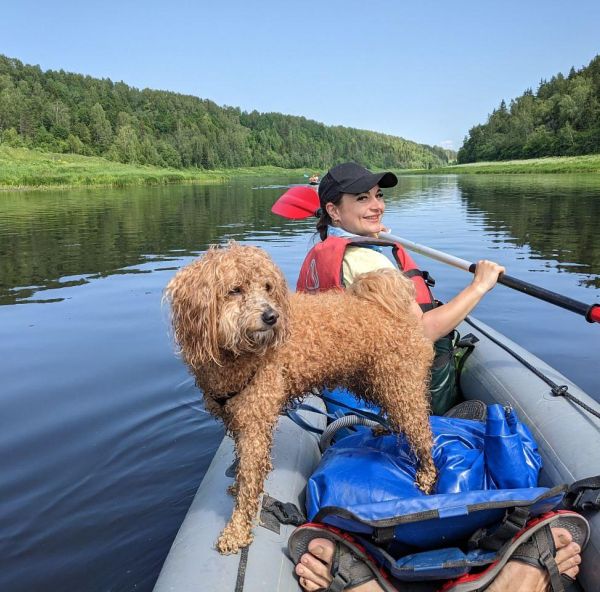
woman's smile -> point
(359, 213)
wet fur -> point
(250, 366)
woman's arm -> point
(443, 319)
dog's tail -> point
(388, 288)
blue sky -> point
(426, 71)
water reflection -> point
(48, 237)
(56, 239)
(554, 215)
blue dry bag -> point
(365, 485)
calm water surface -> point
(104, 438)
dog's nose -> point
(270, 316)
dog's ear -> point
(281, 295)
(194, 314)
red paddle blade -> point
(594, 314)
(297, 203)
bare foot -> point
(521, 577)
(314, 569)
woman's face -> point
(359, 213)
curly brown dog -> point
(253, 347)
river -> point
(104, 439)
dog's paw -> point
(229, 542)
(425, 480)
(232, 490)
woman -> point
(352, 208)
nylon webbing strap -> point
(383, 536)
(427, 278)
(360, 412)
(274, 513)
(492, 539)
(584, 495)
(303, 424)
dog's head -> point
(233, 299)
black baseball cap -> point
(350, 177)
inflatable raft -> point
(497, 371)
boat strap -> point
(555, 389)
(291, 413)
(274, 513)
(584, 495)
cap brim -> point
(369, 181)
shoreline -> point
(548, 165)
(23, 169)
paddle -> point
(302, 202)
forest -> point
(57, 111)
(561, 119)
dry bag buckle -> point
(587, 499)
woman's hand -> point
(442, 319)
(486, 275)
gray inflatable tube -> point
(568, 438)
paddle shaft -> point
(300, 202)
(591, 313)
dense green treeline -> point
(561, 119)
(72, 113)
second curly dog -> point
(253, 347)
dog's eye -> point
(235, 291)
(269, 287)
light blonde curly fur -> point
(253, 347)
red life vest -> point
(322, 267)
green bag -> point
(443, 388)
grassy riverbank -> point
(556, 164)
(21, 168)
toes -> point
(323, 549)
(308, 585)
(314, 569)
(562, 537)
(573, 572)
(309, 576)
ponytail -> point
(322, 223)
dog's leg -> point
(254, 413)
(404, 396)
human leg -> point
(315, 559)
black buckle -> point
(468, 341)
(383, 536)
(428, 278)
(586, 499)
(492, 539)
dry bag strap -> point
(584, 495)
(492, 539)
(382, 536)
